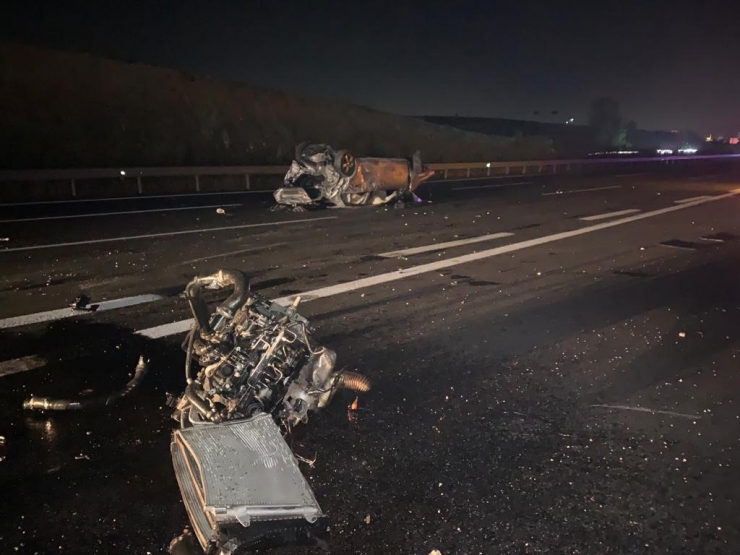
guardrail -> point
(525, 165)
(195, 173)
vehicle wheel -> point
(345, 163)
(299, 150)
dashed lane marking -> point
(494, 186)
(165, 234)
(441, 246)
(123, 213)
(58, 314)
(573, 191)
(608, 215)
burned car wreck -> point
(321, 175)
(259, 374)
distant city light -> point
(688, 150)
(620, 152)
(664, 151)
(123, 172)
(571, 120)
(734, 140)
(488, 165)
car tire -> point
(345, 163)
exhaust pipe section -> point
(227, 309)
(49, 403)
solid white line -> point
(692, 199)
(581, 190)
(96, 214)
(494, 186)
(651, 411)
(609, 215)
(440, 246)
(167, 234)
(184, 325)
(23, 364)
(60, 313)
(139, 197)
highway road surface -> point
(555, 363)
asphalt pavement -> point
(554, 359)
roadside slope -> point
(60, 109)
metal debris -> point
(50, 403)
(82, 303)
(321, 175)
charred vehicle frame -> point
(321, 175)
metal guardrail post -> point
(246, 179)
(445, 174)
(197, 183)
(74, 187)
(139, 187)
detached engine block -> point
(258, 373)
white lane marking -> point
(609, 215)
(167, 234)
(440, 246)
(139, 197)
(464, 259)
(166, 330)
(677, 247)
(183, 325)
(692, 199)
(581, 190)
(242, 251)
(494, 186)
(96, 214)
(61, 313)
(483, 178)
(22, 364)
(651, 411)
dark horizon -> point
(672, 65)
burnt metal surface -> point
(258, 374)
(319, 174)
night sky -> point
(671, 64)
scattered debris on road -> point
(50, 403)
(82, 303)
(220, 211)
(2, 448)
(682, 334)
(259, 375)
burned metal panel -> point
(380, 174)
